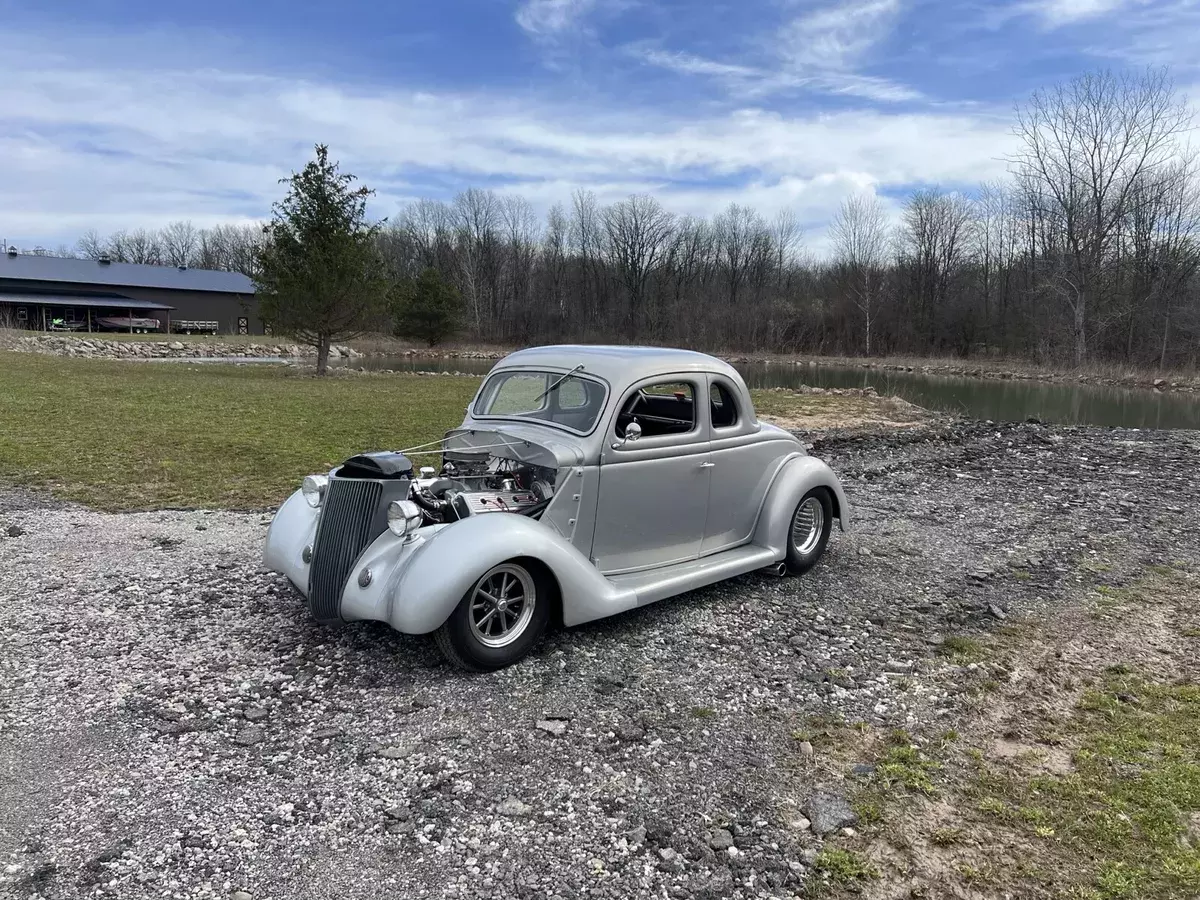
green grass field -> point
(118, 435)
(131, 436)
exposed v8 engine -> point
(478, 502)
(472, 484)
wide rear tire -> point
(499, 619)
(808, 530)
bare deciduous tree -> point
(638, 234)
(1087, 144)
(476, 214)
(933, 243)
(179, 241)
(91, 245)
(786, 234)
(859, 234)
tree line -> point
(1087, 252)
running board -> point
(658, 584)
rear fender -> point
(795, 478)
(416, 584)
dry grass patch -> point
(804, 411)
(1078, 778)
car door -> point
(652, 501)
(743, 466)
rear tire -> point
(498, 620)
(808, 530)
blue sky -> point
(130, 113)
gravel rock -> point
(129, 674)
(609, 683)
(718, 885)
(250, 736)
(14, 531)
(513, 807)
(555, 727)
(720, 839)
(109, 854)
(828, 812)
(671, 860)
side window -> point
(724, 409)
(668, 407)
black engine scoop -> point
(383, 464)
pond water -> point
(980, 398)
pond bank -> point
(117, 347)
(97, 347)
(1170, 382)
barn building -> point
(51, 293)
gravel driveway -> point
(172, 723)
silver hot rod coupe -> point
(584, 481)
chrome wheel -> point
(502, 604)
(807, 526)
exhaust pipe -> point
(779, 569)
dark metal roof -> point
(71, 300)
(28, 267)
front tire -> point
(808, 531)
(498, 620)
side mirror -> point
(633, 432)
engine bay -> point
(472, 483)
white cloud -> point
(1064, 12)
(831, 44)
(1132, 32)
(543, 18)
(821, 51)
(109, 147)
(837, 36)
(690, 64)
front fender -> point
(293, 528)
(795, 478)
(416, 584)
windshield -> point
(571, 401)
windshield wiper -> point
(557, 383)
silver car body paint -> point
(630, 523)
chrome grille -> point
(345, 529)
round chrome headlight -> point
(404, 517)
(313, 488)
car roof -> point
(619, 365)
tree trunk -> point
(1080, 332)
(323, 354)
(1162, 357)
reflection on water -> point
(1000, 401)
(981, 398)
